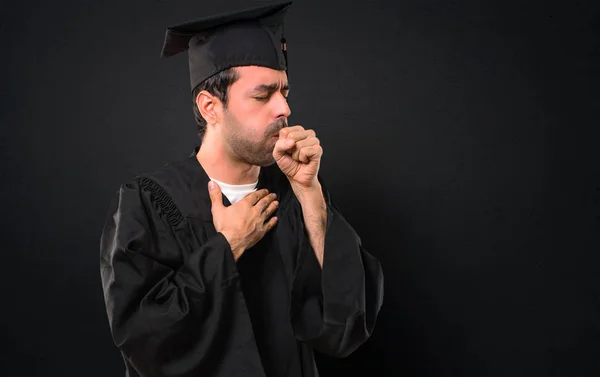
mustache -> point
(276, 126)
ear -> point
(209, 106)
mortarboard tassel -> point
(284, 48)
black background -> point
(460, 140)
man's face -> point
(257, 109)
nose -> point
(282, 108)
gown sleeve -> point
(171, 301)
(334, 309)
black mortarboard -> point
(240, 38)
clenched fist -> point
(246, 222)
(298, 154)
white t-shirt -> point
(235, 192)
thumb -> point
(282, 146)
(214, 191)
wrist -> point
(312, 202)
(308, 194)
(237, 248)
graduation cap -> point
(244, 37)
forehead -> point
(251, 76)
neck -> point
(218, 163)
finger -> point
(265, 202)
(304, 144)
(271, 209)
(301, 134)
(255, 196)
(286, 130)
(310, 153)
(216, 198)
(270, 224)
(309, 142)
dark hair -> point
(217, 85)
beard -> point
(250, 147)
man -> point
(234, 261)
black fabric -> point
(179, 305)
(238, 38)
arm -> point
(314, 211)
(335, 307)
(337, 288)
(172, 302)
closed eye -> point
(264, 92)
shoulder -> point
(166, 189)
(171, 176)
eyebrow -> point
(270, 87)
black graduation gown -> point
(179, 305)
